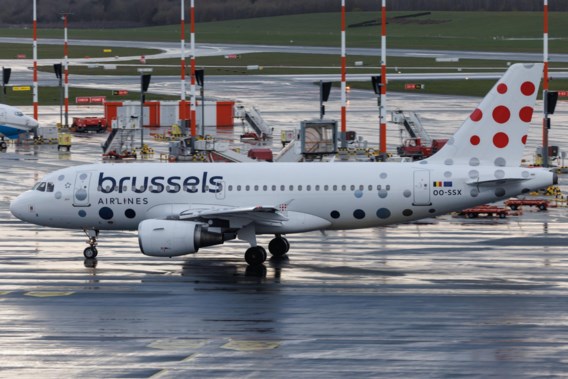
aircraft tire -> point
(278, 247)
(3, 145)
(255, 255)
(90, 252)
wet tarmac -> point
(441, 298)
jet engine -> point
(169, 238)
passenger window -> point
(238, 188)
(247, 188)
(344, 187)
(317, 187)
(388, 187)
(308, 188)
(265, 188)
(273, 188)
(256, 188)
(230, 187)
(361, 187)
(282, 188)
(352, 187)
(370, 187)
(291, 188)
(335, 188)
(41, 187)
(50, 187)
(299, 188)
(326, 188)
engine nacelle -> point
(169, 238)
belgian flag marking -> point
(443, 184)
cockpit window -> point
(49, 187)
(41, 187)
(19, 114)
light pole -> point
(145, 76)
(57, 68)
(200, 78)
(66, 67)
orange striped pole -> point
(343, 79)
(35, 92)
(182, 50)
(193, 104)
(382, 111)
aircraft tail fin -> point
(496, 131)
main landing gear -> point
(278, 247)
(91, 251)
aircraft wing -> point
(258, 214)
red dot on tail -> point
(524, 140)
(475, 140)
(526, 114)
(476, 115)
(500, 140)
(502, 88)
(501, 114)
(527, 88)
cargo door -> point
(81, 189)
(422, 187)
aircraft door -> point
(81, 189)
(221, 194)
(422, 187)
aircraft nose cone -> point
(17, 208)
(32, 122)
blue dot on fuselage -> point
(106, 213)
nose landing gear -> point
(91, 251)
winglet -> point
(495, 133)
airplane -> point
(180, 208)
(14, 122)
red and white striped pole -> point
(545, 119)
(382, 110)
(182, 50)
(193, 105)
(66, 70)
(35, 92)
(343, 80)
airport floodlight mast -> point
(193, 99)
(145, 76)
(35, 95)
(6, 72)
(325, 89)
(545, 119)
(58, 69)
(383, 94)
(200, 79)
(182, 28)
(343, 80)
(64, 17)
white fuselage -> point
(14, 122)
(311, 196)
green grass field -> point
(483, 31)
(50, 96)
(490, 31)
(11, 51)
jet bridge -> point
(316, 139)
